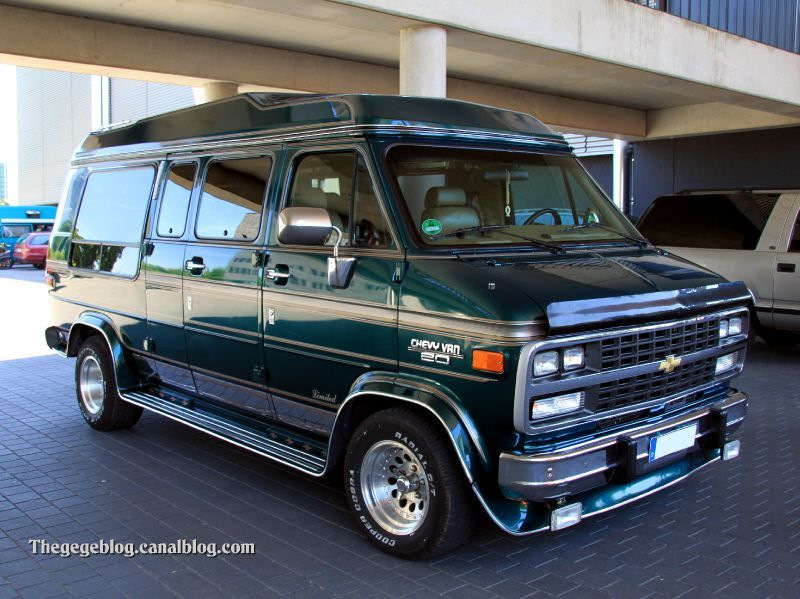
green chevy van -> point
(427, 297)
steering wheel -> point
(532, 218)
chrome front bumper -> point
(618, 458)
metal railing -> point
(771, 22)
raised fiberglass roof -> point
(259, 113)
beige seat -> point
(448, 205)
(314, 197)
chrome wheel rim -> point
(93, 389)
(395, 487)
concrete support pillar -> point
(621, 169)
(217, 90)
(423, 61)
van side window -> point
(175, 200)
(233, 194)
(108, 230)
(794, 243)
(340, 183)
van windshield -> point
(463, 197)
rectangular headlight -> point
(735, 326)
(726, 363)
(545, 362)
(573, 358)
(560, 404)
(723, 328)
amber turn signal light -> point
(488, 361)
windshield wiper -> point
(556, 249)
(593, 225)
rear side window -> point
(108, 229)
(724, 221)
(175, 200)
(233, 194)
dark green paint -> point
(354, 343)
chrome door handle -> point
(193, 266)
(276, 274)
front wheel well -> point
(361, 408)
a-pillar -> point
(216, 90)
(423, 61)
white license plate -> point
(673, 442)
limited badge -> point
(431, 226)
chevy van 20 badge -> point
(429, 298)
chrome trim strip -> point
(458, 375)
(222, 335)
(225, 377)
(309, 354)
(522, 422)
(371, 313)
(327, 349)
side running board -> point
(271, 444)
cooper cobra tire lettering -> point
(444, 511)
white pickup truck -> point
(750, 236)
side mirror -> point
(304, 226)
(312, 226)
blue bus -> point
(18, 221)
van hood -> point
(583, 290)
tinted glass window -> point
(335, 182)
(65, 217)
(15, 231)
(175, 200)
(114, 205)
(233, 193)
(492, 197)
(794, 243)
(326, 181)
(38, 239)
(370, 227)
(732, 221)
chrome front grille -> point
(655, 345)
(628, 372)
(630, 391)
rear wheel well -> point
(78, 335)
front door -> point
(221, 284)
(318, 339)
(786, 305)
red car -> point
(32, 249)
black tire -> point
(450, 514)
(101, 406)
(39, 266)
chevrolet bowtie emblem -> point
(669, 364)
